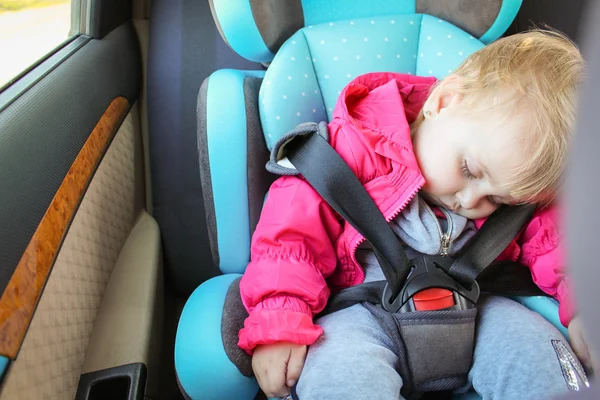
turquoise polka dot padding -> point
(442, 47)
(306, 76)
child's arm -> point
(542, 250)
(292, 254)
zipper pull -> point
(445, 245)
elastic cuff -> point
(269, 327)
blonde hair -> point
(541, 70)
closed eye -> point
(466, 171)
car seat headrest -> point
(256, 29)
(304, 81)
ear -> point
(445, 97)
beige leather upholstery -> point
(129, 324)
(50, 360)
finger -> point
(295, 365)
(581, 350)
(260, 374)
(275, 378)
(586, 359)
(593, 361)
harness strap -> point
(370, 292)
(490, 241)
(333, 179)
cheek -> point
(441, 176)
(438, 160)
(436, 183)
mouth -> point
(447, 207)
(453, 208)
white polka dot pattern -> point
(442, 47)
(285, 103)
(371, 45)
(308, 73)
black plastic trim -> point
(106, 15)
(109, 383)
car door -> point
(80, 259)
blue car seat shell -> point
(230, 129)
(203, 369)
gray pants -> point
(514, 356)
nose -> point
(469, 197)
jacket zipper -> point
(445, 237)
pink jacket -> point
(302, 250)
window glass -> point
(29, 30)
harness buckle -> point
(428, 273)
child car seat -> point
(313, 48)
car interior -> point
(132, 154)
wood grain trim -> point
(25, 287)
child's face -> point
(466, 158)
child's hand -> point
(579, 344)
(277, 367)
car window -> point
(30, 30)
